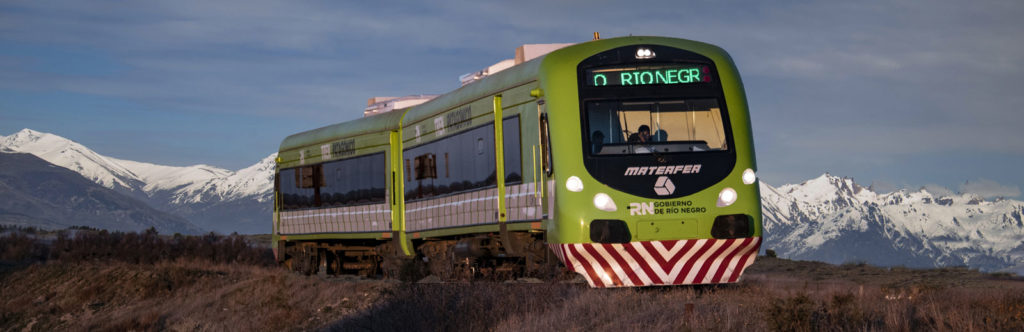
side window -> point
(306, 177)
(513, 154)
(426, 166)
(354, 181)
(461, 162)
(293, 195)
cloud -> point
(883, 187)
(938, 190)
(989, 189)
(828, 83)
(876, 138)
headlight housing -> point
(726, 197)
(749, 177)
(574, 184)
(604, 202)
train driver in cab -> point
(643, 135)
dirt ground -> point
(775, 294)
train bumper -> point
(649, 263)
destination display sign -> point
(671, 74)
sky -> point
(895, 94)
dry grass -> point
(213, 288)
(182, 296)
(756, 304)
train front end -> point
(653, 163)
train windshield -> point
(656, 126)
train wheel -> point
(333, 262)
(309, 261)
(288, 264)
(464, 269)
(438, 257)
(318, 261)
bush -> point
(791, 314)
(148, 247)
(19, 247)
(802, 313)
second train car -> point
(627, 160)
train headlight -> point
(644, 53)
(574, 184)
(749, 177)
(726, 197)
(604, 202)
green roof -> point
(377, 123)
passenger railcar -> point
(627, 160)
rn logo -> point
(664, 186)
(641, 209)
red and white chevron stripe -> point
(675, 262)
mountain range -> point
(35, 193)
(835, 220)
(829, 218)
(212, 198)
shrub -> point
(19, 247)
(791, 314)
(148, 247)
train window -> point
(305, 177)
(426, 166)
(468, 164)
(545, 148)
(513, 154)
(644, 127)
(293, 196)
(353, 181)
(408, 170)
(446, 173)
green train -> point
(627, 160)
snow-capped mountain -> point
(36, 193)
(188, 191)
(828, 218)
(835, 220)
(253, 182)
(68, 154)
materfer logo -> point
(664, 186)
(662, 170)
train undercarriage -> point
(488, 256)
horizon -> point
(897, 95)
(935, 190)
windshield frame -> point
(637, 174)
(635, 142)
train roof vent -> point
(472, 77)
(523, 54)
(378, 105)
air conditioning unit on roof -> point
(523, 54)
(378, 105)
